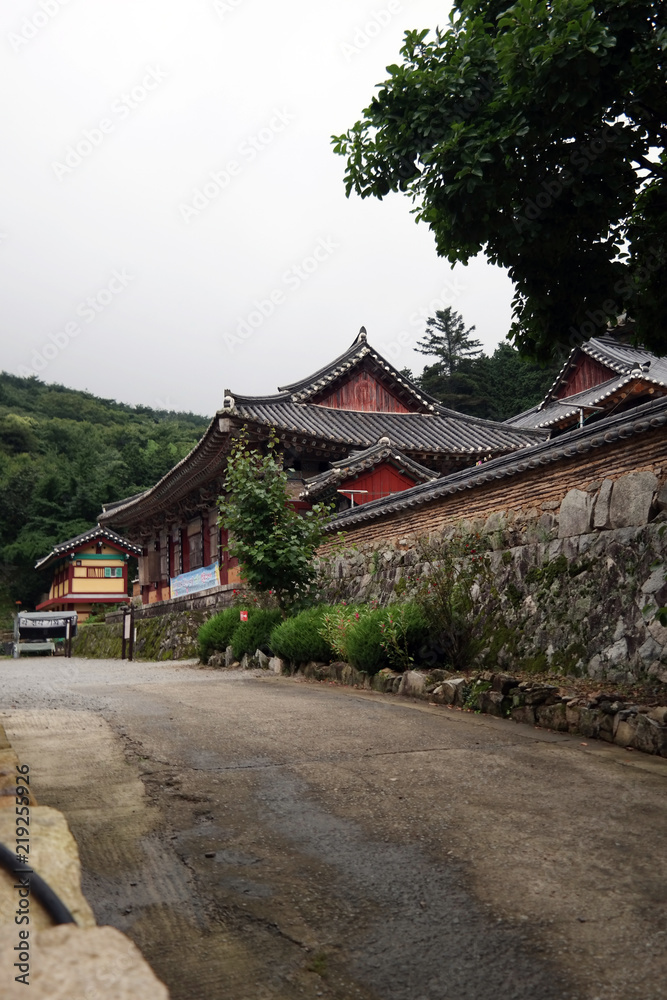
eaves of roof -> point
(557, 411)
(444, 432)
(644, 418)
(199, 465)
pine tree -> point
(448, 340)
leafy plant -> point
(403, 626)
(216, 634)
(299, 639)
(458, 598)
(363, 643)
(254, 634)
(337, 625)
(274, 544)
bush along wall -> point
(574, 588)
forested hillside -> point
(63, 454)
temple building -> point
(89, 571)
(351, 433)
(601, 377)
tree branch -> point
(653, 168)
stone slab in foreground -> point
(76, 963)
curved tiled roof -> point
(92, 535)
(577, 442)
(444, 432)
(439, 432)
(620, 358)
(314, 384)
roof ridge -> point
(359, 349)
(88, 536)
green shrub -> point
(364, 643)
(387, 637)
(337, 623)
(405, 634)
(216, 634)
(299, 639)
(254, 634)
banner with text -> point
(196, 580)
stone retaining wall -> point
(580, 579)
(171, 636)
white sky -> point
(214, 78)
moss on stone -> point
(536, 664)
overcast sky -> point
(174, 220)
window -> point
(113, 571)
(95, 571)
(196, 554)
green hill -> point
(63, 454)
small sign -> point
(244, 616)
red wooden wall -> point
(587, 374)
(364, 392)
(380, 482)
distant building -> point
(355, 431)
(602, 377)
(89, 571)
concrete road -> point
(262, 838)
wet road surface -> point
(260, 837)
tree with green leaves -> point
(448, 340)
(274, 544)
(495, 386)
(535, 132)
(63, 454)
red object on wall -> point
(363, 392)
(381, 481)
(588, 373)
